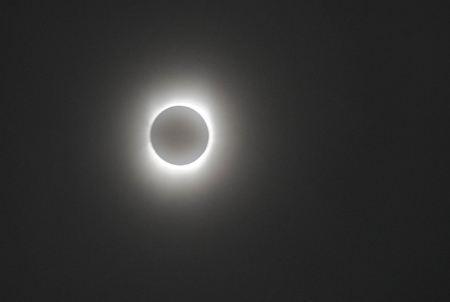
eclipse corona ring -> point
(179, 135)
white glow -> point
(202, 160)
(150, 175)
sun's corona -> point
(180, 136)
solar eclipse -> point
(181, 138)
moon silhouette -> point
(179, 135)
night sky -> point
(333, 184)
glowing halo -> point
(150, 175)
(199, 162)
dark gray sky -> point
(336, 184)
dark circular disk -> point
(179, 135)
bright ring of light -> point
(199, 162)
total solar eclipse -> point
(179, 135)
